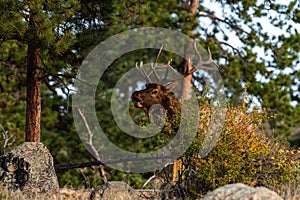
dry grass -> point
(289, 191)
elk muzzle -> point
(137, 99)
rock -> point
(74, 194)
(115, 190)
(241, 191)
(111, 190)
(29, 169)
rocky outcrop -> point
(114, 190)
(241, 191)
(28, 169)
(27, 172)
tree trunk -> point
(194, 6)
(178, 167)
(187, 82)
(33, 109)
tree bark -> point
(185, 88)
(187, 82)
(33, 101)
(194, 6)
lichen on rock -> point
(29, 168)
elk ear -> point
(154, 92)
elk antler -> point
(200, 64)
(146, 76)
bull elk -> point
(159, 91)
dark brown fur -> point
(156, 94)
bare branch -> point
(91, 145)
(146, 183)
(227, 21)
(107, 162)
(90, 134)
(8, 141)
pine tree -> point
(41, 25)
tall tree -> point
(34, 85)
(186, 84)
(42, 25)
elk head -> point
(158, 93)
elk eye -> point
(154, 92)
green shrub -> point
(242, 154)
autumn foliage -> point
(242, 154)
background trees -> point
(255, 43)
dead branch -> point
(91, 145)
(61, 167)
(8, 141)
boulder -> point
(241, 191)
(29, 169)
(114, 190)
